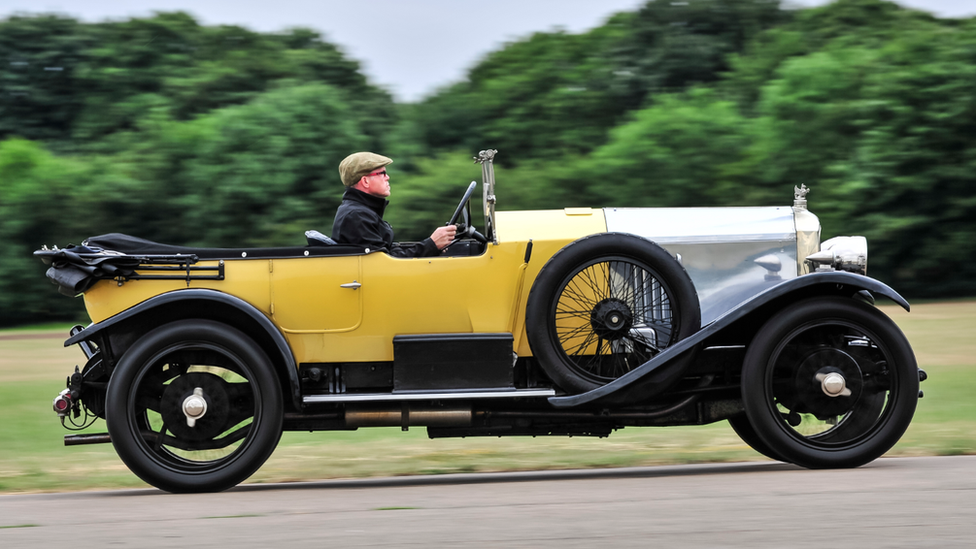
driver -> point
(359, 219)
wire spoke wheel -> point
(194, 406)
(830, 383)
(605, 305)
(611, 316)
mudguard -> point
(199, 294)
(658, 374)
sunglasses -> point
(377, 173)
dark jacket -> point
(359, 221)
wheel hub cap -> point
(611, 319)
(194, 407)
(833, 384)
(828, 382)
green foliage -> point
(915, 162)
(881, 131)
(558, 93)
(251, 175)
(842, 24)
(675, 44)
(85, 82)
(267, 171)
(545, 95)
(247, 175)
(41, 92)
(35, 200)
(680, 152)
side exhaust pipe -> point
(408, 416)
(93, 438)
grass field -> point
(33, 366)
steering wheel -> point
(465, 228)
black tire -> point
(740, 424)
(785, 383)
(588, 326)
(149, 391)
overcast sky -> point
(411, 47)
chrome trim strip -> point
(454, 395)
(721, 239)
(704, 225)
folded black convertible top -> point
(133, 245)
(123, 257)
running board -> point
(440, 395)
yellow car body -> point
(324, 322)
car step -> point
(429, 395)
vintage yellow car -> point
(577, 321)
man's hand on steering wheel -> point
(465, 229)
(443, 236)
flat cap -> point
(356, 165)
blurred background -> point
(223, 125)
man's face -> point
(378, 183)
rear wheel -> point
(606, 304)
(830, 382)
(194, 406)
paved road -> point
(895, 502)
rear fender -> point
(658, 374)
(126, 326)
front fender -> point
(656, 375)
(286, 360)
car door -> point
(316, 295)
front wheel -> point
(194, 406)
(830, 382)
(741, 426)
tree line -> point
(219, 136)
